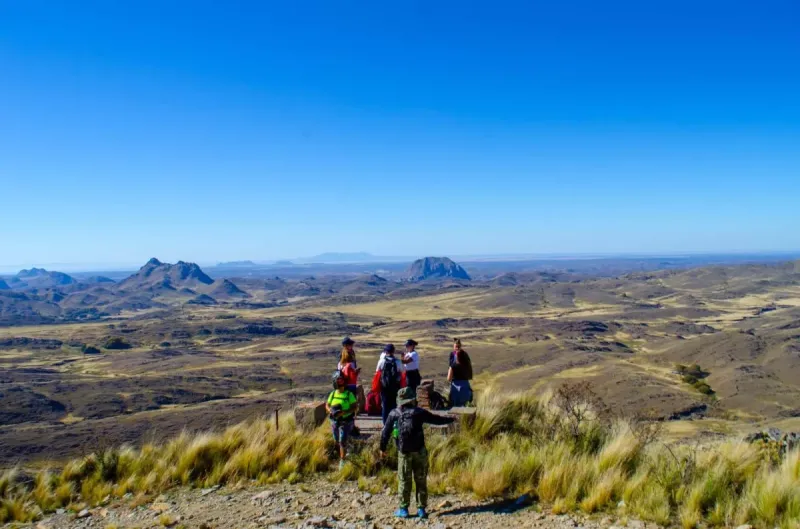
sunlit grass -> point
(517, 445)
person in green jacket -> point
(342, 407)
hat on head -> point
(405, 396)
(411, 343)
(347, 341)
(389, 348)
(335, 378)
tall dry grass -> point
(249, 451)
(567, 455)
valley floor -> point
(319, 503)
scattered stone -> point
(276, 520)
(363, 516)
(160, 507)
(746, 526)
(103, 513)
(317, 521)
(206, 492)
(84, 514)
(60, 511)
(446, 504)
(367, 495)
(357, 503)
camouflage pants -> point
(413, 464)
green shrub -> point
(116, 343)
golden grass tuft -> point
(570, 460)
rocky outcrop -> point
(436, 268)
(227, 289)
(156, 275)
(41, 278)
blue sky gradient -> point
(211, 131)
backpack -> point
(389, 379)
(404, 428)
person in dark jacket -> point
(459, 375)
(405, 423)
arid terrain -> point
(95, 362)
(320, 504)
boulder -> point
(310, 415)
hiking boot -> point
(402, 512)
(421, 513)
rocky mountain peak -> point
(436, 267)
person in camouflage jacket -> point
(405, 424)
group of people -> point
(402, 419)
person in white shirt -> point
(411, 361)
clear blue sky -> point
(207, 130)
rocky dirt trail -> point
(315, 504)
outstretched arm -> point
(432, 418)
(386, 433)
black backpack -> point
(389, 377)
(405, 428)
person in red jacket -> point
(348, 366)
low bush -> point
(116, 343)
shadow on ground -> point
(495, 507)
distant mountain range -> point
(349, 257)
(40, 296)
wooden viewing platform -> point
(311, 415)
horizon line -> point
(377, 259)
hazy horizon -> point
(10, 269)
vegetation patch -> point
(567, 452)
(116, 343)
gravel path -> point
(315, 504)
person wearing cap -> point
(341, 407)
(411, 361)
(391, 369)
(405, 424)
